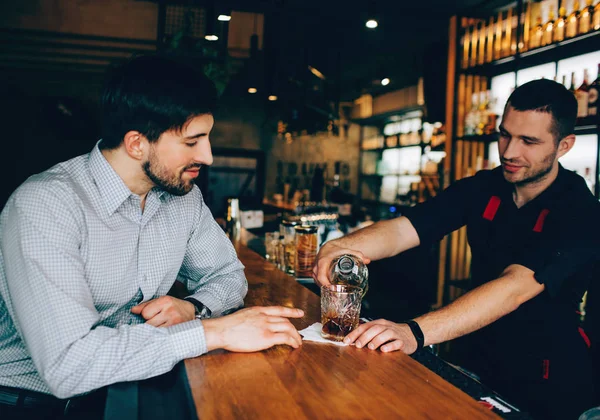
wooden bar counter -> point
(316, 380)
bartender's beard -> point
(533, 173)
(167, 180)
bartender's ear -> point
(565, 145)
(135, 144)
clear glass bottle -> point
(349, 270)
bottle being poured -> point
(350, 270)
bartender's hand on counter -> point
(328, 252)
(165, 311)
(386, 335)
(253, 329)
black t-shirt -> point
(557, 235)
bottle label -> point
(582, 104)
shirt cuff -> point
(187, 339)
(213, 304)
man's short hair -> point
(551, 97)
(153, 94)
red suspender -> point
(539, 225)
(491, 208)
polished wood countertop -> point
(316, 380)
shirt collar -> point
(111, 186)
(557, 186)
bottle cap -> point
(345, 264)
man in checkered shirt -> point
(90, 248)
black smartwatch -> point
(417, 332)
(201, 310)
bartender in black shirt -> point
(534, 234)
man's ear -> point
(565, 145)
(135, 144)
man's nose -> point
(512, 149)
(204, 153)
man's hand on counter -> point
(253, 329)
(165, 311)
(328, 252)
(383, 334)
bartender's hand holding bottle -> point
(386, 335)
(328, 252)
(253, 329)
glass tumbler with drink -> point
(340, 310)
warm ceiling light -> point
(224, 18)
(316, 72)
(252, 90)
(385, 81)
(211, 37)
(272, 98)
(371, 24)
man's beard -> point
(171, 183)
(539, 174)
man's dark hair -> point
(547, 96)
(153, 94)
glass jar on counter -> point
(286, 229)
(306, 250)
(288, 235)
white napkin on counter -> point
(313, 333)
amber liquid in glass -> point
(336, 328)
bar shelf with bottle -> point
(399, 162)
(487, 43)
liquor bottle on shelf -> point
(481, 41)
(474, 39)
(593, 99)
(596, 17)
(507, 45)
(526, 19)
(564, 80)
(548, 29)
(466, 43)
(498, 40)
(513, 39)
(489, 55)
(492, 117)
(471, 119)
(560, 25)
(572, 87)
(585, 17)
(537, 33)
(482, 120)
(582, 94)
(573, 21)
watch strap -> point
(417, 332)
(202, 310)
